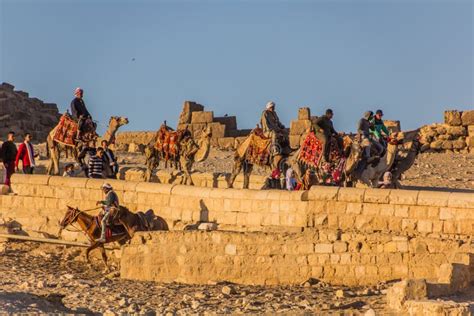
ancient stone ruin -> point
(22, 114)
(455, 134)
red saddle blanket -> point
(258, 150)
(66, 131)
(312, 150)
(167, 142)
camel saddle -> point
(67, 129)
(167, 142)
(256, 148)
(311, 151)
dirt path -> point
(52, 279)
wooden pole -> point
(50, 241)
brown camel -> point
(188, 152)
(55, 148)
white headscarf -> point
(270, 104)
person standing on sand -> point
(111, 166)
(26, 154)
(9, 152)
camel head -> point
(204, 144)
(117, 121)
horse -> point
(128, 223)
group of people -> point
(371, 131)
(12, 156)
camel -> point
(188, 153)
(405, 159)
(371, 175)
(54, 148)
(352, 152)
(275, 161)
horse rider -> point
(363, 129)
(271, 125)
(324, 131)
(379, 130)
(79, 110)
(111, 202)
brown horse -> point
(129, 223)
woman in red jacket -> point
(27, 155)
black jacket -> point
(78, 108)
(8, 151)
(325, 123)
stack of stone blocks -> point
(456, 134)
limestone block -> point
(470, 130)
(230, 122)
(351, 195)
(406, 290)
(453, 118)
(304, 114)
(30, 179)
(470, 141)
(436, 145)
(403, 197)
(323, 248)
(295, 141)
(299, 127)
(434, 307)
(376, 196)
(457, 276)
(459, 143)
(202, 117)
(433, 198)
(217, 130)
(464, 200)
(457, 131)
(467, 118)
(447, 145)
(57, 181)
(323, 193)
(227, 143)
(188, 108)
(147, 187)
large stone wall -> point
(402, 212)
(336, 257)
(342, 235)
(22, 114)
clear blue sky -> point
(411, 58)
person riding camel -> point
(79, 111)
(379, 130)
(272, 127)
(111, 202)
(324, 129)
(363, 129)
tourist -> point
(387, 182)
(363, 129)
(379, 130)
(291, 183)
(111, 201)
(324, 129)
(96, 164)
(27, 155)
(272, 127)
(9, 152)
(110, 162)
(70, 171)
(79, 111)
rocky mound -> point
(455, 134)
(22, 114)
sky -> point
(142, 59)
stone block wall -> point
(456, 134)
(22, 114)
(291, 259)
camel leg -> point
(247, 171)
(235, 172)
(55, 153)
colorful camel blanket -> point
(257, 149)
(66, 131)
(311, 154)
(167, 142)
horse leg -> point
(247, 171)
(104, 257)
(235, 171)
(130, 231)
(89, 249)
